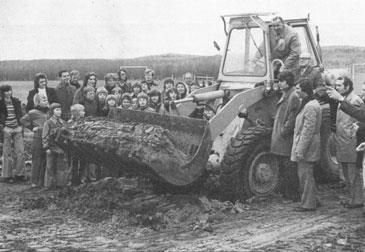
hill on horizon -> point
(165, 65)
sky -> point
(114, 29)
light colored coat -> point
(346, 132)
(282, 136)
(307, 139)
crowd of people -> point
(49, 109)
(296, 138)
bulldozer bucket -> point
(191, 136)
(179, 161)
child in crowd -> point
(110, 102)
(56, 165)
(145, 87)
(143, 103)
(167, 84)
(117, 92)
(136, 89)
(155, 100)
(194, 87)
(77, 163)
(134, 103)
(101, 94)
(90, 102)
(182, 90)
(169, 104)
(126, 101)
(13, 146)
(34, 120)
(110, 82)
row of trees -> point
(164, 66)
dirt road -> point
(196, 224)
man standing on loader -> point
(284, 45)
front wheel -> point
(248, 168)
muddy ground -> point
(126, 215)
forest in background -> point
(164, 65)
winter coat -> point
(65, 95)
(307, 139)
(91, 107)
(51, 96)
(282, 136)
(126, 87)
(4, 112)
(346, 132)
(50, 134)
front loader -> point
(236, 139)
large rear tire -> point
(248, 168)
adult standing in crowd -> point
(65, 94)
(306, 71)
(346, 128)
(148, 78)
(75, 76)
(89, 81)
(13, 147)
(282, 137)
(40, 86)
(189, 79)
(306, 149)
(123, 81)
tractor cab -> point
(248, 58)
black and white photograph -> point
(182, 125)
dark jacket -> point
(65, 95)
(51, 96)
(51, 129)
(346, 133)
(91, 107)
(4, 112)
(126, 87)
(283, 130)
(355, 111)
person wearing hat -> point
(307, 71)
(143, 103)
(34, 120)
(125, 101)
(110, 102)
(101, 94)
(55, 156)
(13, 145)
